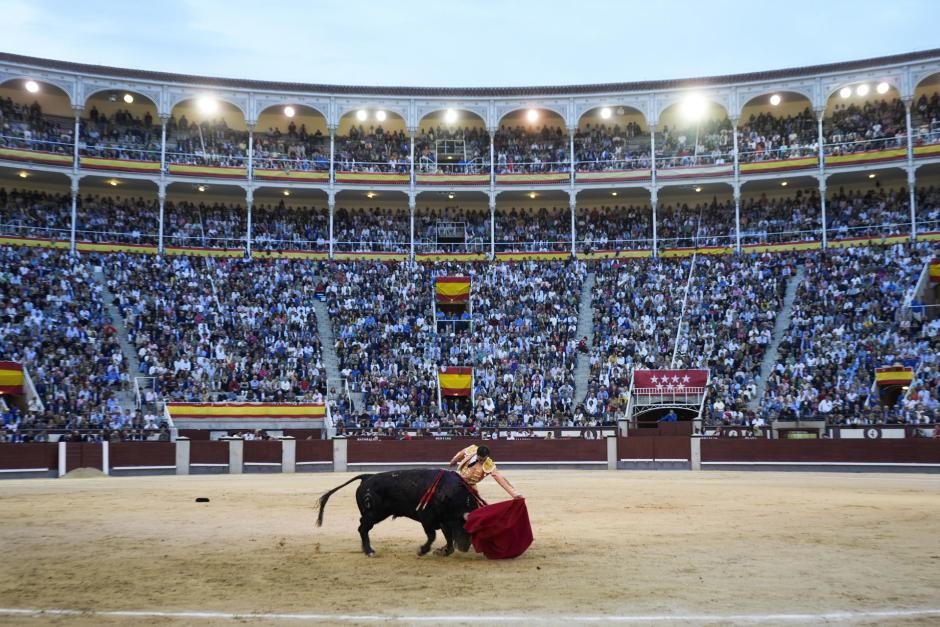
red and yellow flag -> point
(452, 290)
(935, 271)
(455, 380)
(894, 375)
(215, 411)
(11, 377)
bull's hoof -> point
(424, 550)
(370, 553)
(443, 551)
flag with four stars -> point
(670, 380)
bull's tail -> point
(326, 497)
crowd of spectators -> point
(789, 218)
(533, 230)
(520, 150)
(614, 228)
(53, 321)
(25, 126)
(296, 150)
(280, 227)
(376, 229)
(373, 150)
(462, 151)
(521, 343)
(601, 147)
(926, 119)
(848, 318)
(878, 211)
(704, 224)
(122, 136)
(709, 143)
(874, 125)
(767, 137)
(452, 229)
(228, 329)
(210, 143)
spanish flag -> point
(455, 381)
(935, 271)
(452, 290)
(11, 378)
(894, 375)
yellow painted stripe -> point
(928, 150)
(93, 247)
(588, 177)
(428, 257)
(616, 254)
(35, 155)
(204, 252)
(247, 409)
(120, 164)
(370, 177)
(178, 168)
(779, 164)
(370, 256)
(548, 177)
(862, 157)
(456, 179)
(532, 256)
(295, 175)
(290, 254)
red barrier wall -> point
(438, 451)
(263, 451)
(664, 428)
(908, 451)
(29, 455)
(83, 455)
(129, 454)
(314, 451)
(214, 452)
(675, 447)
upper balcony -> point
(859, 114)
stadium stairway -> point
(582, 369)
(126, 396)
(328, 347)
(772, 354)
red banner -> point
(670, 380)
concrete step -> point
(781, 324)
(126, 396)
(582, 369)
(328, 348)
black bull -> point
(397, 493)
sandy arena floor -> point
(711, 547)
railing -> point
(39, 232)
(372, 246)
(704, 159)
(770, 236)
(593, 245)
(212, 160)
(43, 151)
(551, 245)
(472, 246)
(430, 165)
(781, 153)
(698, 241)
(504, 166)
(869, 230)
(132, 237)
(667, 395)
(316, 163)
(632, 162)
(399, 166)
(196, 240)
(111, 150)
(835, 149)
(265, 242)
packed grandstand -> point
(174, 239)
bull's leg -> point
(449, 547)
(432, 534)
(365, 526)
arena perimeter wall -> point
(235, 456)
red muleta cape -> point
(501, 530)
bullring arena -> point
(707, 548)
(695, 322)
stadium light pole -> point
(911, 174)
(737, 185)
(820, 112)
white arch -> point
(546, 107)
(68, 91)
(784, 90)
(208, 94)
(346, 110)
(101, 90)
(613, 104)
(292, 103)
(892, 81)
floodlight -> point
(775, 99)
(207, 105)
(289, 111)
(862, 90)
(32, 87)
(380, 115)
(450, 116)
(361, 115)
(129, 99)
(606, 113)
(694, 107)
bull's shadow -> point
(399, 493)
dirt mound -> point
(84, 473)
